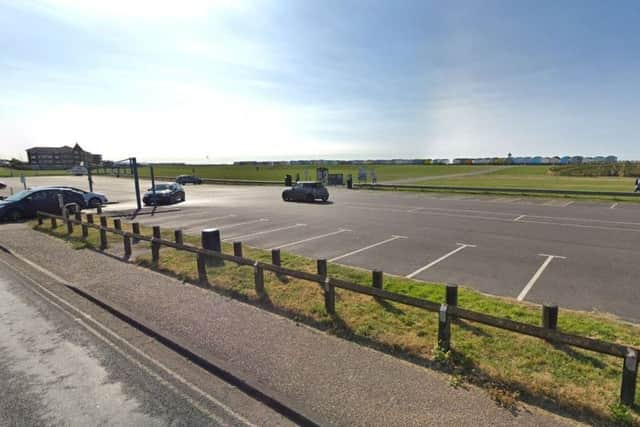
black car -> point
(164, 193)
(306, 191)
(26, 203)
(188, 179)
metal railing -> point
(446, 312)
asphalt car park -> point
(578, 254)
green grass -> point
(6, 172)
(507, 364)
(277, 173)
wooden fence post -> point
(202, 269)
(85, 230)
(126, 240)
(258, 276)
(451, 297)
(629, 378)
(550, 316)
(90, 218)
(78, 215)
(210, 239)
(275, 257)
(54, 223)
(377, 277)
(69, 226)
(444, 329)
(103, 233)
(155, 246)
(178, 236)
(237, 249)
(328, 288)
(117, 224)
(39, 219)
(135, 228)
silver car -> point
(306, 191)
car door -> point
(298, 192)
(40, 201)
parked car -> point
(164, 193)
(2, 185)
(26, 203)
(91, 198)
(306, 191)
(188, 179)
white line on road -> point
(265, 232)
(537, 275)
(442, 258)
(367, 247)
(238, 224)
(568, 203)
(414, 210)
(342, 230)
(613, 205)
(518, 218)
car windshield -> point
(19, 196)
(161, 187)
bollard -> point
(135, 228)
(155, 246)
(54, 223)
(258, 276)
(322, 267)
(377, 276)
(69, 226)
(629, 378)
(117, 224)
(99, 209)
(90, 218)
(451, 296)
(202, 270)
(275, 257)
(103, 233)
(85, 230)
(210, 239)
(78, 215)
(444, 329)
(329, 296)
(177, 235)
(549, 316)
(126, 240)
(39, 219)
(237, 249)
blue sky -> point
(217, 81)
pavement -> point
(329, 380)
(575, 253)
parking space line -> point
(568, 203)
(238, 224)
(342, 230)
(394, 237)
(265, 232)
(537, 275)
(518, 218)
(442, 258)
(613, 205)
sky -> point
(208, 81)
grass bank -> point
(508, 365)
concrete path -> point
(436, 177)
(329, 380)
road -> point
(577, 254)
(63, 361)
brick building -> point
(61, 157)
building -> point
(61, 157)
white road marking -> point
(537, 275)
(442, 258)
(594, 227)
(414, 210)
(342, 230)
(52, 298)
(518, 218)
(265, 232)
(613, 205)
(238, 224)
(394, 237)
(568, 203)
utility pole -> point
(134, 167)
(153, 181)
(90, 177)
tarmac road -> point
(577, 254)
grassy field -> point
(6, 172)
(536, 177)
(277, 173)
(508, 365)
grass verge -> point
(509, 366)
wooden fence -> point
(446, 312)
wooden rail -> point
(446, 312)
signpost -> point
(23, 180)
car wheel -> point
(285, 197)
(324, 199)
(15, 215)
(183, 198)
(94, 202)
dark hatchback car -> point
(188, 179)
(164, 193)
(26, 203)
(306, 192)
